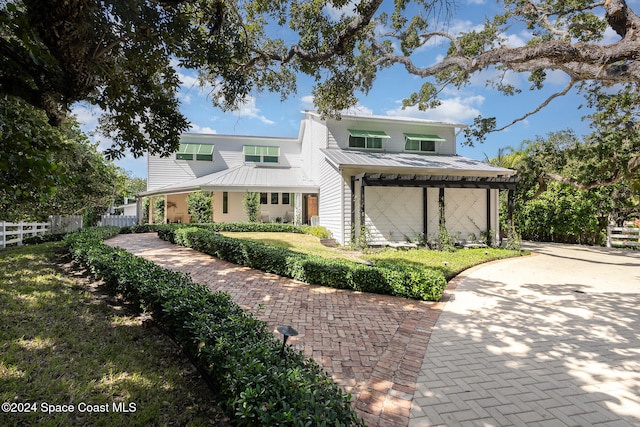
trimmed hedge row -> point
(267, 227)
(246, 227)
(259, 385)
(404, 281)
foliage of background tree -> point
(158, 210)
(562, 209)
(146, 204)
(563, 214)
(199, 207)
(251, 203)
(130, 187)
(74, 179)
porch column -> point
(442, 221)
(151, 210)
(510, 206)
(353, 208)
(297, 208)
(139, 210)
(489, 236)
(425, 210)
(362, 216)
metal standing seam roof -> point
(246, 177)
(417, 163)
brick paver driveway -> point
(372, 345)
(547, 340)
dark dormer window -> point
(261, 154)
(195, 152)
(422, 143)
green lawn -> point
(62, 343)
(450, 263)
(297, 242)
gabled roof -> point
(245, 178)
(413, 163)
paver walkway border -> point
(372, 345)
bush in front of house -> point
(403, 281)
(259, 384)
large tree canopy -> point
(121, 55)
(566, 36)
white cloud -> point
(451, 110)
(359, 110)
(348, 10)
(248, 109)
(610, 36)
(307, 102)
(200, 129)
(517, 40)
(87, 115)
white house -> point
(390, 179)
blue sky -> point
(265, 114)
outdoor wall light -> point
(286, 331)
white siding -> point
(168, 171)
(330, 208)
(339, 134)
(346, 210)
(393, 214)
(162, 172)
(314, 138)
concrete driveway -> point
(552, 340)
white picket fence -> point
(118, 220)
(623, 236)
(12, 233)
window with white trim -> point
(261, 153)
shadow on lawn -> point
(62, 345)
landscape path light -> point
(287, 331)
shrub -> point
(316, 230)
(199, 207)
(259, 385)
(251, 203)
(387, 278)
(43, 238)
